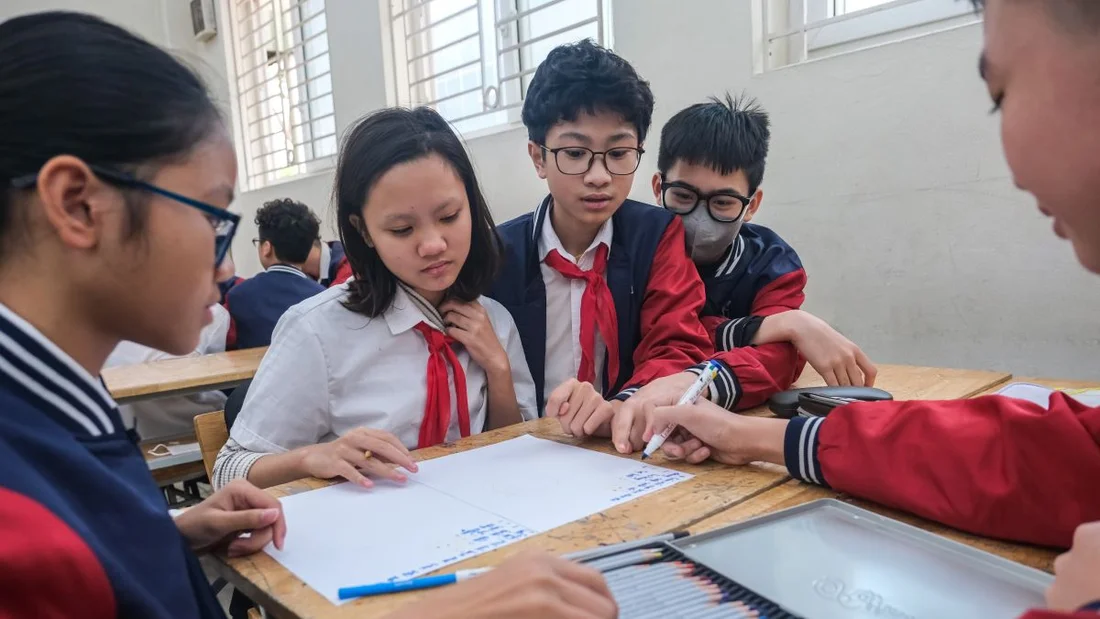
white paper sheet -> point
(1040, 395)
(455, 507)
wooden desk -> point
(921, 383)
(795, 493)
(171, 377)
(715, 490)
(1052, 383)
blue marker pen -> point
(397, 586)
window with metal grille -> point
(799, 30)
(473, 60)
(286, 121)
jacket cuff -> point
(800, 446)
(737, 333)
(625, 394)
(725, 391)
(1093, 606)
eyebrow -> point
(406, 217)
(224, 191)
(573, 135)
(716, 192)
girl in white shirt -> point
(407, 354)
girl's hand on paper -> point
(580, 409)
(358, 455)
(469, 325)
(237, 508)
(531, 585)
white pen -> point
(689, 397)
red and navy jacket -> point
(336, 265)
(84, 531)
(993, 466)
(256, 305)
(227, 285)
(657, 292)
(760, 275)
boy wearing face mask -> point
(711, 164)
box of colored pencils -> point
(821, 560)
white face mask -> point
(707, 239)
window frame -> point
(251, 151)
(503, 83)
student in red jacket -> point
(710, 168)
(993, 466)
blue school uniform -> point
(84, 530)
(256, 305)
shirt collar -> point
(286, 268)
(549, 240)
(52, 379)
(410, 309)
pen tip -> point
(644, 455)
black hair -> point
(290, 227)
(584, 77)
(75, 84)
(1073, 15)
(376, 144)
(725, 135)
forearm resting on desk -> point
(236, 462)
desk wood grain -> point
(908, 382)
(171, 377)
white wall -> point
(144, 17)
(886, 174)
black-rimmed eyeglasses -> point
(577, 160)
(723, 206)
(224, 222)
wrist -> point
(499, 368)
(765, 439)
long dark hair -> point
(379, 142)
(74, 84)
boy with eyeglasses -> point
(711, 164)
(600, 287)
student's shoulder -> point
(765, 241)
(321, 308)
(516, 228)
(499, 316)
(639, 218)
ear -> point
(75, 203)
(657, 188)
(538, 157)
(267, 250)
(357, 223)
(754, 205)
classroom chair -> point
(212, 433)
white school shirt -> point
(563, 310)
(330, 370)
(169, 416)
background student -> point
(325, 262)
(408, 354)
(287, 231)
(605, 298)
